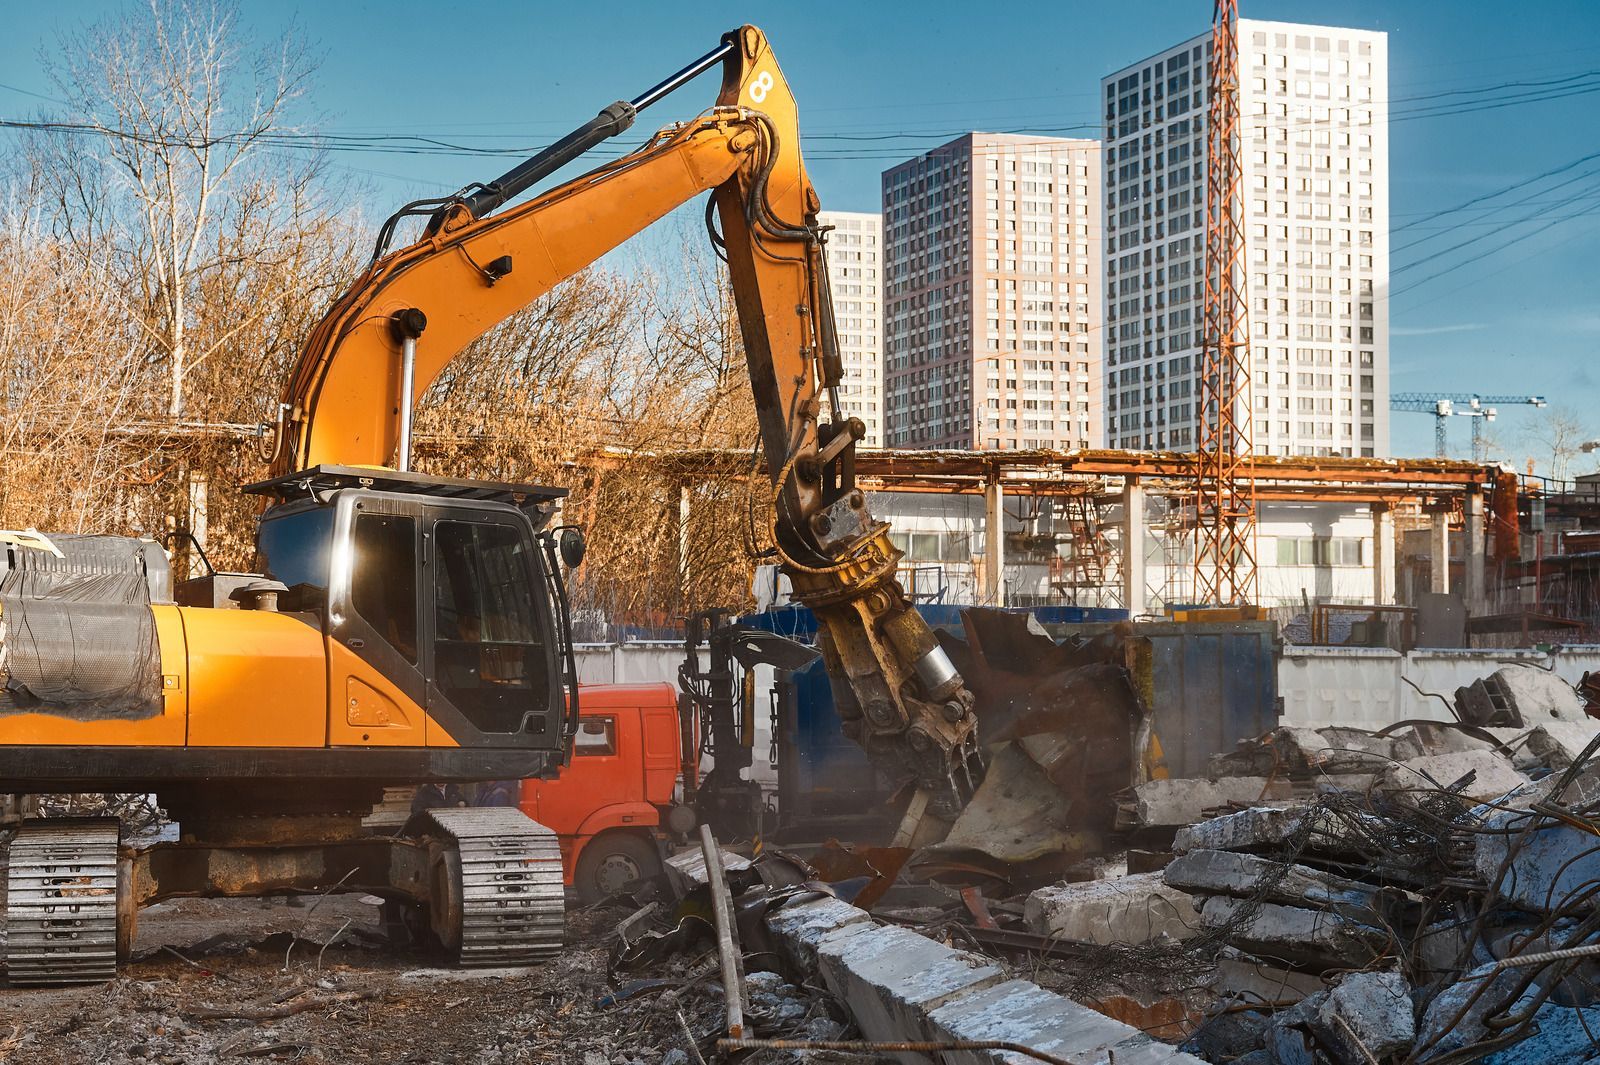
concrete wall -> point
(1370, 688)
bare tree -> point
(1559, 432)
(166, 256)
(177, 109)
(67, 367)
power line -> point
(1533, 199)
(1563, 168)
(414, 144)
(1495, 250)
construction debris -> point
(1173, 803)
(1129, 909)
(1477, 775)
(1519, 696)
(1206, 872)
(1423, 895)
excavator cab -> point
(432, 594)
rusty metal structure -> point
(1225, 498)
(1103, 473)
(1102, 482)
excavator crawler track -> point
(61, 913)
(511, 901)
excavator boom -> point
(414, 309)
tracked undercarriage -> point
(482, 885)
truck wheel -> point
(611, 861)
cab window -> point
(295, 549)
(489, 650)
(383, 585)
(596, 735)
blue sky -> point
(1522, 319)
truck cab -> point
(609, 804)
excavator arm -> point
(414, 309)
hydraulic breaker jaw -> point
(896, 691)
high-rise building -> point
(1313, 103)
(992, 299)
(855, 273)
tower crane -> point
(1443, 405)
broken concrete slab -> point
(1129, 909)
(802, 927)
(1020, 1012)
(1177, 802)
(1558, 744)
(1441, 738)
(1493, 775)
(1370, 1011)
(1288, 1038)
(1441, 950)
(1581, 789)
(900, 986)
(1562, 1036)
(1515, 740)
(1211, 872)
(1229, 1035)
(1246, 978)
(1548, 863)
(1320, 751)
(1290, 1046)
(1540, 695)
(1454, 1019)
(892, 977)
(1293, 934)
(1255, 828)
(1333, 783)
(687, 870)
(1335, 740)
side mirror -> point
(573, 547)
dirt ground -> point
(359, 1000)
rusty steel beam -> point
(889, 463)
(1101, 474)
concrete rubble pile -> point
(832, 974)
(1425, 895)
(1428, 895)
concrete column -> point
(1133, 541)
(1475, 545)
(1383, 549)
(1439, 552)
(994, 542)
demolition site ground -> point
(250, 980)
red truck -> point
(610, 804)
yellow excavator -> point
(407, 628)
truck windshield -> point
(295, 549)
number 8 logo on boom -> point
(760, 87)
